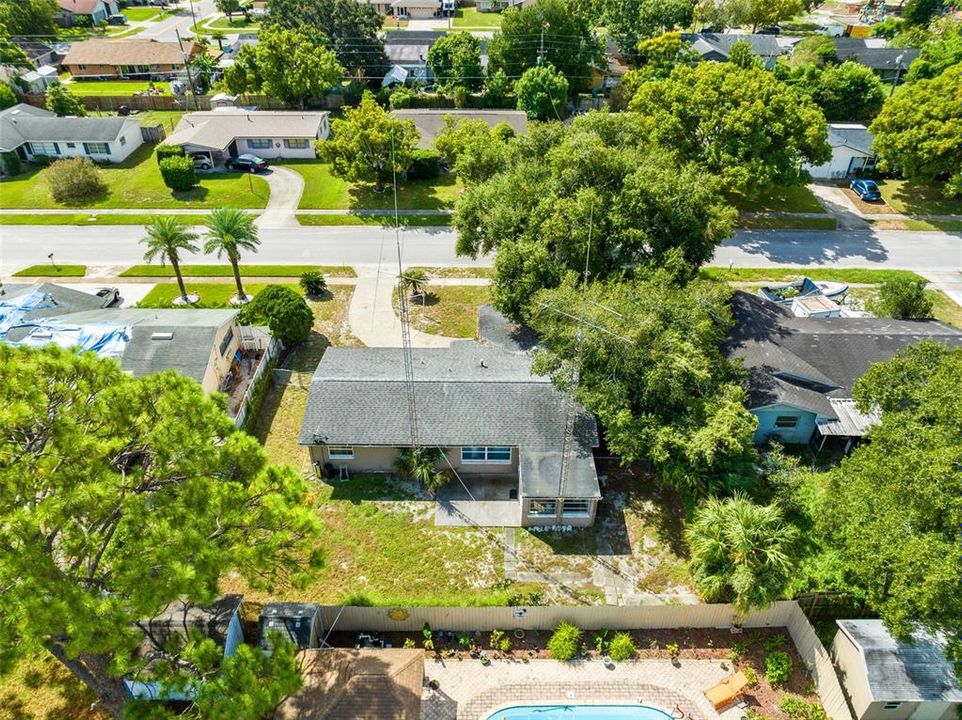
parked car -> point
(248, 163)
(117, 20)
(770, 30)
(866, 189)
(202, 162)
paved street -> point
(182, 21)
(366, 245)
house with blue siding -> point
(800, 370)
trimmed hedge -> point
(425, 165)
(178, 173)
(165, 151)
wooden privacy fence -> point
(111, 103)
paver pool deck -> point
(467, 690)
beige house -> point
(430, 123)
(128, 59)
(887, 679)
(230, 132)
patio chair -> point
(727, 691)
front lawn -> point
(368, 219)
(113, 87)
(212, 295)
(324, 191)
(450, 310)
(945, 308)
(136, 183)
(91, 219)
(943, 225)
(457, 272)
(238, 22)
(52, 271)
(331, 327)
(38, 687)
(916, 199)
(141, 14)
(846, 275)
(786, 222)
(287, 271)
(779, 199)
(472, 18)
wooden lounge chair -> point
(727, 691)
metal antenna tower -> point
(402, 302)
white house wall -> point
(118, 150)
(838, 166)
(277, 149)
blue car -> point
(866, 189)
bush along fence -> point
(258, 386)
(111, 103)
(785, 614)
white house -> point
(96, 10)
(37, 81)
(852, 154)
(229, 132)
(30, 132)
(888, 679)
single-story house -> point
(890, 64)
(132, 58)
(39, 53)
(37, 81)
(357, 684)
(888, 679)
(408, 49)
(96, 10)
(30, 131)
(220, 621)
(229, 132)
(500, 427)
(801, 369)
(382, 6)
(716, 46)
(431, 122)
(499, 5)
(852, 154)
(421, 9)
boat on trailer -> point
(784, 294)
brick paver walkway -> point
(467, 690)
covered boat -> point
(785, 294)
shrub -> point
(286, 313)
(11, 164)
(565, 642)
(903, 299)
(178, 173)
(313, 283)
(673, 650)
(8, 98)
(737, 651)
(73, 180)
(622, 647)
(402, 97)
(778, 667)
(500, 641)
(409, 643)
(425, 165)
(798, 708)
(165, 151)
(750, 676)
(775, 642)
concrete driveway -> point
(286, 187)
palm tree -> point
(421, 464)
(741, 550)
(414, 281)
(229, 231)
(166, 238)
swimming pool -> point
(580, 712)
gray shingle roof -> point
(877, 58)
(22, 123)
(65, 300)
(899, 671)
(358, 397)
(764, 46)
(774, 346)
(852, 135)
(430, 122)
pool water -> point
(580, 712)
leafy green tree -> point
(455, 62)
(349, 28)
(920, 12)
(8, 98)
(472, 148)
(742, 55)
(167, 237)
(549, 32)
(918, 133)
(815, 50)
(229, 231)
(203, 67)
(34, 18)
(228, 7)
(542, 92)
(939, 53)
(656, 57)
(631, 21)
(369, 145)
(651, 372)
(497, 89)
(285, 312)
(903, 299)
(11, 53)
(849, 91)
(60, 101)
(741, 552)
(892, 507)
(744, 125)
(759, 13)
(122, 495)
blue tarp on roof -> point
(13, 309)
(105, 339)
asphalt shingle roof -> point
(852, 135)
(133, 51)
(897, 671)
(431, 122)
(216, 129)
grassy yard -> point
(136, 182)
(212, 295)
(472, 18)
(450, 310)
(51, 271)
(393, 23)
(846, 275)
(246, 270)
(944, 308)
(787, 222)
(368, 219)
(780, 199)
(457, 272)
(238, 22)
(141, 14)
(943, 225)
(916, 199)
(323, 191)
(112, 87)
(167, 118)
(92, 219)
(40, 688)
(331, 327)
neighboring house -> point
(96, 10)
(887, 679)
(431, 122)
(357, 684)
(421, 9)
(30, 132)
(132, 59)
(408, 49)
(37, 81)
(229, 132)
(852, 154)
(39, 53)
(499, 5)
(801, 369)
(890, 64)
(382, 6)
(500, 427)
(716, 46)
(220, 622)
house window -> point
(71, 145)
(543, 508)
(786, 421)
(44, 148)
(340, 452)
(297, 143)
(892, 705)
(486, 454)
(123, 140)
(260, 143)
(97, 148)
(576, 507)
(225, 343)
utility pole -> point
(898, 71)
(190, 79)
(541, 48)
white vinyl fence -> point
(271, 348)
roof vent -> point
(162, 336)
(483, 363)
(44, 334)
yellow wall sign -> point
(399, 614)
